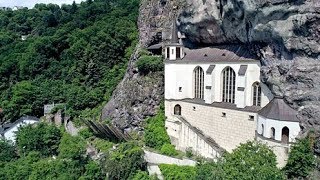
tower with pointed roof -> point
(174, 49)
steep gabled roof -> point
(277, 109)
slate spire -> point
(174, 36)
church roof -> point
(277, 109)
(230, 53)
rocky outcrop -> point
(135, 98)
(285, 34)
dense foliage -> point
(7, 151)
(301, 159)
(42, 138)
(125, 161)
(175, 172)
(148, 63)
(249, 161)
(73, 54)
(168, 149)
(57, 155)
(155, 132)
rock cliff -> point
(285, 34)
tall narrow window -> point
(273, 133)
(198, 82)
(256, 89)
(178, 52)
(168, 52)
(285, 135)
(177, 109)
(228, 85)
(262, 129)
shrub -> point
(210, 170)
(125, 161)
(189, 153)
(148, 64)
(175, 172)
(155, 132)
(86, 133)
(301, 160)
(169, 149)
(102, 145)
(143, 175)
(72, 147)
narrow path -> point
(155, 159)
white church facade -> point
(214, 100)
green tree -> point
(301, 159)
(7, 151)
(251, 160)
(44, 138)
(125, 161)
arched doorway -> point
(285, 135)
(177, 110)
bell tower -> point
(174, 49)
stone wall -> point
(227, 131)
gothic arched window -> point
(285, 135)
(228, 85)
(198, 82)
(177, 109)
(273, 133)
(256, 96)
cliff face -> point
(285, 34)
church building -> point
(214, 100)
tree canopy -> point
(74, 54)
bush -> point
(210, 170)
(189, 152)
(72, 147)
(143, 175)
(86, 133)
(148, 64)
(102, 145)
(301, 160)
(125, 161)
(175, 172)
(155, 132)
(169, 149)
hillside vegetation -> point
(73, 54)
